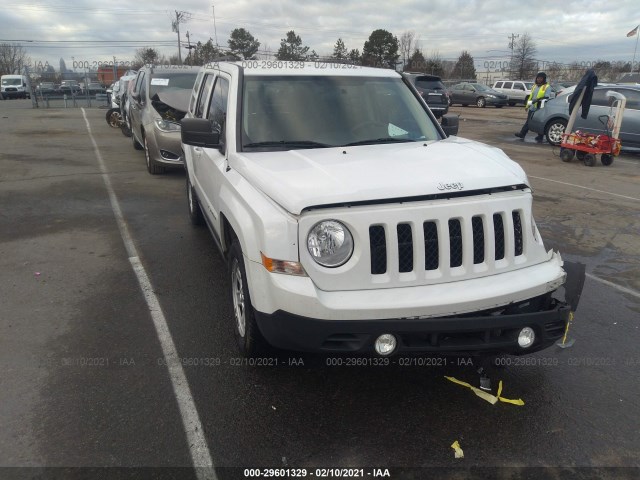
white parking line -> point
(614, 285)
(198, 447)
(585, 188)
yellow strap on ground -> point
(518, 402)
(458, 451)
(487, 396)
(482, 394)
(566, 330)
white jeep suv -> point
(352, 223)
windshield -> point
(171, 81)
(320, 111)
(480, 87)
(11, 81)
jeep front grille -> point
(459, 232)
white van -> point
(15, 86)
(516, 90)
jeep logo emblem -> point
(450, 186)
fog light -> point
(386, 344)
(526, 337)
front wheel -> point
(195, 213)
(606, 159)
(555, 130)
(566, 155)
(481, 102)
(248, 337)
(589, 160)
(152, 167)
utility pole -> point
(215, 31)
(512, 45)
(181, 17)
(190, 47)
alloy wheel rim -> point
(555, 132)
(238, 298)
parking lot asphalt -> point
(83, 379)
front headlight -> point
(167, 126)
(491, 96)
(330, 243)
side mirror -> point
(197, 132)
(450, 124)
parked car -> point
(350, 222)
(94, 88)
(516, 90)
(432, 90)
(466, 93)
(46, 88)
(552, 119)
(70, 87)
(159, 100)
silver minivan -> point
(516, 90)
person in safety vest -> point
(534, 102)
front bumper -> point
(490, 331)
(164, 147)
(486, 333)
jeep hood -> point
(298, 179)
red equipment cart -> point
(586, 146)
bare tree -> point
(523, 65)
(13, 58)
(407, 40)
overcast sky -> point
(564, 31)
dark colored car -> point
(552, 119)
(466, 93)
(46, 88)
(432, 90)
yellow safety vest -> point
(541, 91)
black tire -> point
(113, 117)
(481, 102)
(125, 130)
(248, 337)
(195, 213)
(566, 154)
(606, 159)
(554, 130)
(499, 106)
(512, 104)
(590, 160)
(136, 144)
(580, 155)
(152, 167)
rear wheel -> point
(512, 104)
(606, 159)
(481, 102)
(580, 155)
(113, 117)
(555, 130)
(248, 337)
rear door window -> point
(518, 86)
(498, 85)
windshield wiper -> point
(288, 143)
(373, 141)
